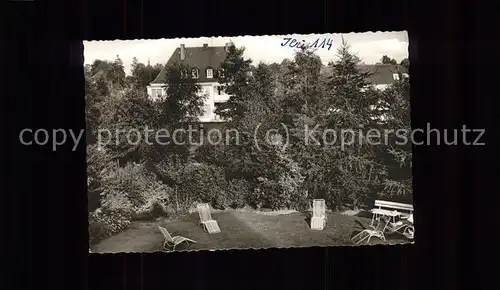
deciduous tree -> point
(405, 63)
(387, 60)
(234, 78)
(395, 106)
(142, 75)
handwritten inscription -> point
(318, 43)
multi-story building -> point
(205, 63)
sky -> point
(369, 46)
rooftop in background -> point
(212, 56)
(197, 57)
(382, 73)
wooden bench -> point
(391, 209)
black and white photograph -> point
(248, 142)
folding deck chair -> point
(210, 225)
(409, 218)
(367, 234)
(396, 227)
(408, 232)
(401, 226)
(173, 241)
(318, 220)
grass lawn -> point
(241, 230)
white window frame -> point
(156, 92)
(220, 90)
(210, 73)
(395, 76)
(195, 73)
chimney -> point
(183, 52)
(205, 45)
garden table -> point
(377, 213)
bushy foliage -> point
(234, 78)
(237, 192)
(272, 167)
(284, 191)
(142, 75)
(112, 71)
(342, 100)
(253, 110)
(133, 188)
(395, 105)
(96, 90)
(127, 118)
(194, 183)
(98, 162)
(105, 223)
(184, 103)
(203, 183)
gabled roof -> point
(196, 57)
(382, 73)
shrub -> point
(105, 222)
(98, 162)
(283, 189)
(203, 183)
(237, 192)
(134, 189)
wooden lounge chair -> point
(173, 241)
(367, 234)
(209, 224)
(396, 227)
(410, 229)
(401, 226)
(408, 232)
(409, 218)
(318, 219)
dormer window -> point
(194, 73)
(210, 73)
(395, 77)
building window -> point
(210, 73)
(220, 90)
(395, 77)
(221, 73)
(194, 73)
(155, 93)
